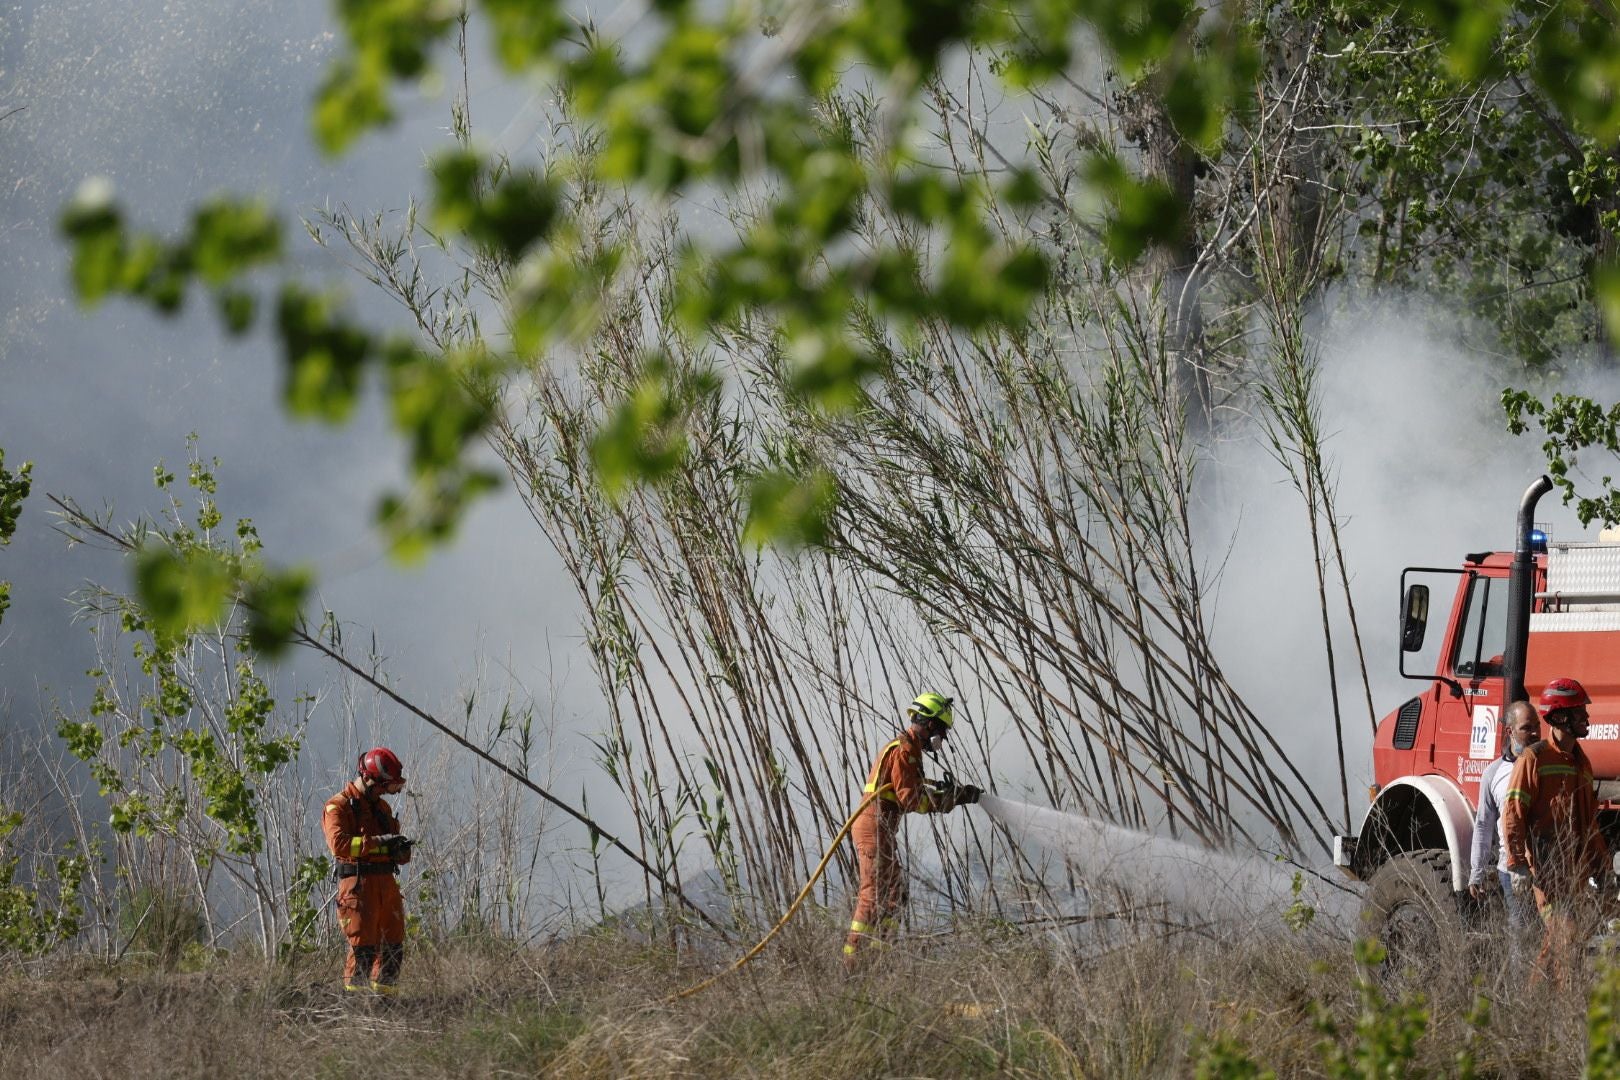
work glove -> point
(1520, 880)
(966, 793)
(397, 848)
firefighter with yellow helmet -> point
(897, 781)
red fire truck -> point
(1517, 620)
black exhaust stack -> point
(1521, 594)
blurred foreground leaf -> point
(182, 591)
(789, 510)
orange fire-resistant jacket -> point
(351, 821)
(1550, 818)
(899, 765)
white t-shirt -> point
(1493, 785)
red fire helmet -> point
(1564, 694)
(381, 765)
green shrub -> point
(161, 923)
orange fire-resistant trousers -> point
(1569, 916)
(371, 914)
(883, 882)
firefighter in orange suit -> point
(363, 835)
(897, 779)
(1549, 826)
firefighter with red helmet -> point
(363, 835)
(897, 781)
(1549, 825)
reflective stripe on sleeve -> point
(1518, 793)
(858, 927)
(356, 847)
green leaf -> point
(525, 31)
(644, 438)
(274, 602)
(237, 309)
(558, 293)
(457, 176)
(94, 225)
(427, 515)
(826, 193)
(1473, 33)
(506, 214)
(829, 367)
(397, 33)
(908, 36)
(14, 488)
(1143, 212)
(388, 39)
(1204, 90)
(1023, 190)
(352, 100)
(181, 592)
(230, 236)
(325, 355)
(437, 404)
(1139, 33)
(1606, 292)
(788, 510)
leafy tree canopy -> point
(713, 97)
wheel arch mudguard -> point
(1413, 813)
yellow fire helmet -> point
(932, 706)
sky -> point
(173, 100)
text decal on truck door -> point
(1482, 733)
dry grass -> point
(981, 1002)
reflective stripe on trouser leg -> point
(881, 884)
(371, 912)
(357, 966)
(386, 971)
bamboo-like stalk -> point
(1017, 517)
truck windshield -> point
(1484, 631)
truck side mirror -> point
(1416, 619)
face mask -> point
(1515, 748)
(935, 743)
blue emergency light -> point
(1538, 541)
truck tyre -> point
(1411, 910)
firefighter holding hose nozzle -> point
(898, 784)
(363, 835)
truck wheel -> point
(1411, 910)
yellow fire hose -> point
(793, 907)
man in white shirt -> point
(1523, 726)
